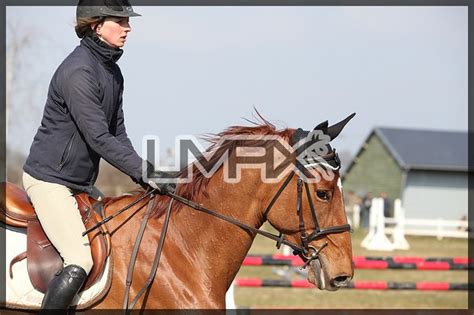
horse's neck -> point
(202, 253)
(216, 247)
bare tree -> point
(18, 94)
(18, 85)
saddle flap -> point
(43, 262)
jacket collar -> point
(101, 50)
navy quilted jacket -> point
(83, 121)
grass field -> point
(363, 299)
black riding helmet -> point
(102, 8)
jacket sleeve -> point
(82, 96)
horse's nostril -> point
(341, 281)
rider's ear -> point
(334, 130)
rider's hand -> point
(155, 180)
(163, 188)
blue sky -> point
(193, 70)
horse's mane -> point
(199, 182)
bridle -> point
(306, 251)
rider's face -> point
(114, 31)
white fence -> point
(400, 226)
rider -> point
(82, 122)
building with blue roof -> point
(426, 169)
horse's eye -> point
(323, 195)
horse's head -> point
(307, 207)
(310, 210)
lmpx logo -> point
(271, 154)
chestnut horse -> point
(202, 253)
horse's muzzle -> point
(318, 275)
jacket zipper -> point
(65, 156)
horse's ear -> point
(334, 130)
(322, 126)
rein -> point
(277, 238)
(98, 224)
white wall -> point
(430, 194)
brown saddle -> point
(43, 260)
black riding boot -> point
(63, 288)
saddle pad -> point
(20, 292)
